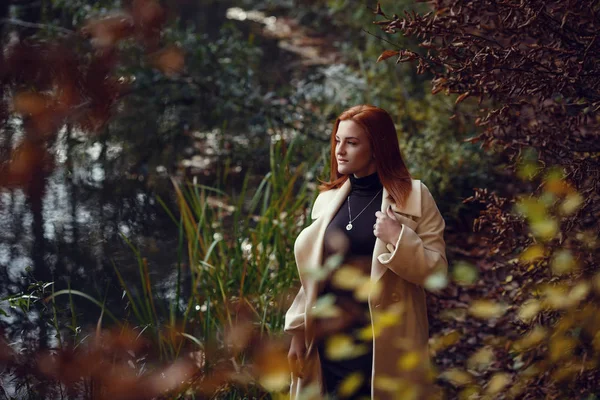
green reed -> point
(233, 250)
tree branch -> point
(26, 24)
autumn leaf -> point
(342, 347)
(436, 281)
(481, 359)
(409, 361)
(387, 54)
(350, 384)
(529, 310)
(572, 203)
(532, 253)
(107, 32)
(456, 377)
(348, 277)
(30, 103)
(498, 382)
(465, 273)
(563, 262)
(170, 60)
(462, 97)
(531, 339)
(325, 307)
(486, 309)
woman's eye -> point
(352, 143)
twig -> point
(26, 24)
(380, 38)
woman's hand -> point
(387, 228)
(296, 354)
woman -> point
(387, 227)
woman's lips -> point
(342, 161)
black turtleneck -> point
(366, 193)
(361, 239)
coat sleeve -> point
(420, 253)
(294, 318)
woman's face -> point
(353, 150)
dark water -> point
(92, 198)
(71, 236)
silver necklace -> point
(349, 226)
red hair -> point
(380, 129)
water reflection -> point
(72, 235)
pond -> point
(90, 205)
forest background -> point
(159, 158)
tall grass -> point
(235, 252)
(241, 248)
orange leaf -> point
(387, 54)
(28, 103)
(461, 97)
(170, 60)
(106, 32)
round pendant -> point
(348, 227)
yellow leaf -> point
(486, 309)
(531, 339)
(367, 288)
(275, 381)
(441, 342)
(409, 360)
(389, 317)
(566, 372)
(342, 347)
(529, 310)
(471, 392)
(515, 390)
(350, 384)
(456, 377)
(386, 383)
(562, 262)
(532, 253)
(571, 203)
(555, 297)
(579, 292)
(481, 359)
(561, 347)
(533, 209)
(368, 332)
(454, 314)
(348, 277)
(528, 170)
(498, 382)
(545, 229)
(465, 273)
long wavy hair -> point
(391, 168)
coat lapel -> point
(315, 240)
(377, 270)
(412, 208)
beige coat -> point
(400, 269)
